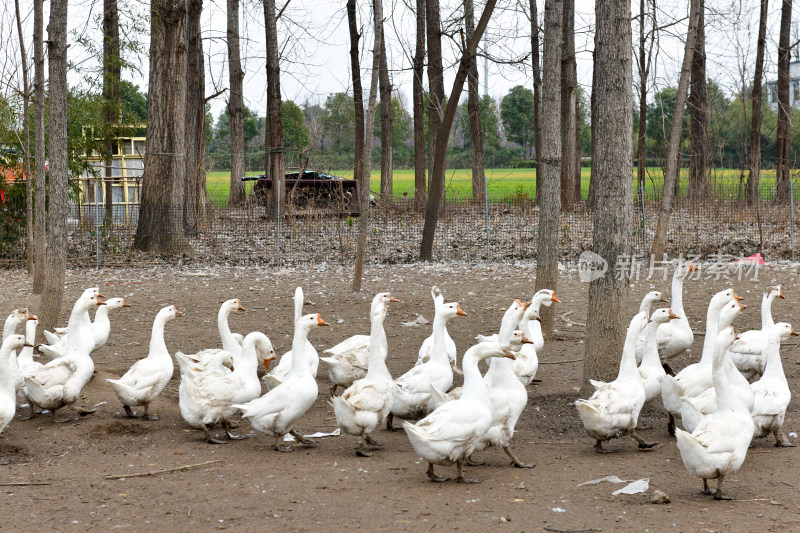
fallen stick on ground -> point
(548, 527)
(560, 362)
(165, 471)
(21, 483)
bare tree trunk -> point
(754, 177)
(578, 181)
(358, 95)
(194, 211)
(274, 114)
(613, 210)
(435, 84)
(593, 126)
(537, 92)
(673, 163)
(474, 110)
(698, 111)
(363, 220)
(56, 266)
(112, 73)
(436, 189)
(40, 183)
(783, 135)
(550, 160)
(236, 105)
(26, 144)
(387, 127)
(569, 83)
(645, 60)
(420, 189)
(160, 228)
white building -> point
(794, 87)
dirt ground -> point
(54, 475)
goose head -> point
(782, 331)
(729, 312)
(15, 342)
(265, 353)
(382, 299)
(725, 338)
(651, 298)
(665, 314)
(721, 298)
(638, 323)
(684, 269)
(91, 291)
(775, 292)
(116, 303)
(545, 297)
(229, 306)
(532, 313)
(309, 322)
(485, 350)
(18, 316)
(168, 313)
(518, 338)
(451, 310)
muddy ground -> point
(54, 475)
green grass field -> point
(506, 183)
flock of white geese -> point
(737, 391)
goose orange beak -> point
(673, 316)
(321, 322)
(781, 296)
(737, 297)
(32, 317)
(526, 340)
(507, 353)
(461, 312)
(742, 306)
(554, 299)
(240, 308)
(793, 333)
(178, 314)
(125, 304)
(101, 295)
(664, 300)
(692, 268)
(392, 299)
(100, 302)
(29, 345)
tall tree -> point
(754, 176)
(644, 62)
(387, 149)
(613, 208)
(112, 73)
(274, 132)
(236, 104)
(537, 90)
(436, 189)
(435, 82)
(783, 138)
(517, 112)
(698, 112)
(569, 106)
(358, 94)
(473, 108)
(420, 188)
(40, 183)
(160, 228)
(363, 219)
(56, 265)
(672, 166)
(195, 205)
(26, 143)
(550, 160)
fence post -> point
(791, 206)
(97, 235)
(486, 208)
(644, 216)
(278, 233)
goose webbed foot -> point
(32, 414)
(706, 490)
(57, 421)
(473, 462)
(302, 440)
(389, 426)
(82, 411)
(147, 415)
(333, 389)
(461, 478)
(671, 425)
(434, 477)
(781, 440)
(372, 442)
(642, 444)
(212, 439)
(362, 451)
(231, 435)
(718, 494)
(515, 461)
(280, 447)
(129, 412)
(598, 447)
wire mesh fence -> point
(716, 224)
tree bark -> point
(435, 83)
(274, 141)
(754, 176)
(363, 219)
(358, 94)
(698, 112)
(160, 228)
(593, 126)
(112, 73)
(645, 60)
(26, 143)
(40, 182)
(194, 213)
(56, 265)
(474, 110)
(569, 84)
(613, 210)
(436, 189)
(387, 134)
(783, 134)
(420, 186)
(537, 92)
(673, 163)
(550, 161)
(236, 105)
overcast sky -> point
(315, 44)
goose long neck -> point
(474, 386)
(26, 353)
(677, 295)
(299, 357)
(378, 349)
(712, 328)
(6, 378)
(222, 323)
(774, 368)
(157, 344)
(726, 398)
(766, 312)
(439, 343)
(651, 356)
(298, 304)
(627, 366)
(75, 340)
(247, 363)
(10, 326)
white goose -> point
(281, 371)
(428, 344)
(97, 332)
(526, 363)
(749, 352)
(58, 383)
(13, 321)
(8, 392)
(544, 297)
(651, 369)
(209, 399)
(646, 306)
(772, 394)
(693, 379)
(366, 403)
(450, 433)
(613, 410)
(676, 336)
(507, 395)
(231, 342)
(718, 446)
(27, 366)
(59, 337)
(348, 360)
(277, 412)
(145, 380)
(413, 389)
